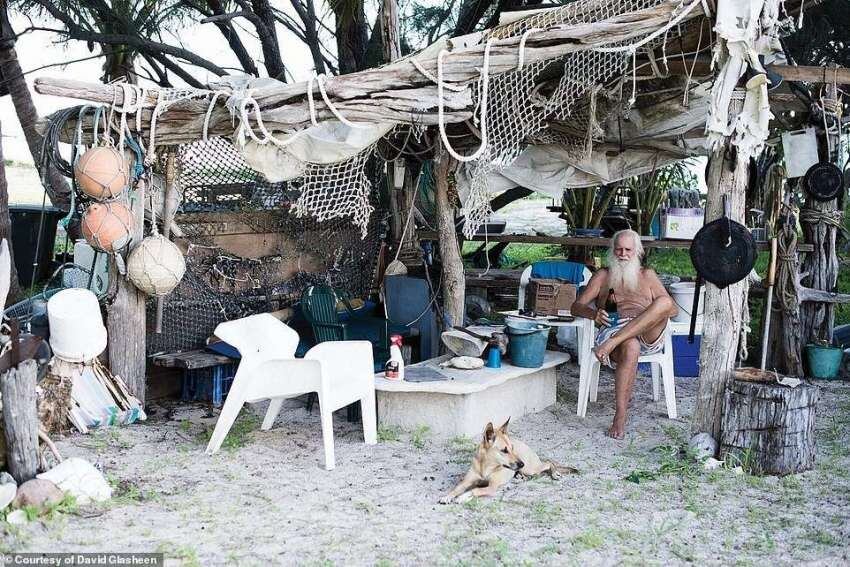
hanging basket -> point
(108, 226)
(156, 266)
(102, 173)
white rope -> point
(320, 80)
(433, 79)
(216, 94)
(485, 84)
(311, 104)
(522, 41)
(634, 46)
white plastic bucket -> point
(683, 294)
(77, 333)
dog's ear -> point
(489, 434)
(504, 428)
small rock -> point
(702, 446)
(17, 517)
(7, 494)
(6, 478)
(80, 478)
(37, 492)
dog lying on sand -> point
(497, 459)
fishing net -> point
(229, 210)
(520, 106)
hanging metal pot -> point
(823, 181)
(723, 252)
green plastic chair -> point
(319, 304)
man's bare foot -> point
(603, 351)
(618, 428)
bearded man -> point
(643, 308)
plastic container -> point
(683, 294)
(527, 345)
(77, 333)
(824, 361)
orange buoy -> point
(108, 226)
(102, 172)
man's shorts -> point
(606, 333)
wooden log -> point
(769, 427)
(20, 420)
(125, 320)
(397, 92)
(723, 307)
(454, 285)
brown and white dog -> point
(497, 459)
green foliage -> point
(388, 433)
(419, 435)
(238, 436)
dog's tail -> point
(563, 469)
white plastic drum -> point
(77, 333)
(683, 294)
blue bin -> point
(527, 345)
(686, 355)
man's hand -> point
(602, 318)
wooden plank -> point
(586, 241)
(191, 359)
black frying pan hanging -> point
(823, 181)
(723, 252)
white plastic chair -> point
(661, 364)
(340, 372)
(563, 328)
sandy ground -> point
(267, 500)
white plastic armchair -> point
(340, 372)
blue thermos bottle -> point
(494, 355)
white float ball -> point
(156, 266)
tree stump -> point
(20, 420)
(769, 427)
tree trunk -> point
(454, 285)
(768, 428)
(390, 37)
(120, 63)
(351, 37)
(20, 420)
(125, 320)
(723, 307)
(236, 45)
(6, 231)
(56, 185)
(268, 39)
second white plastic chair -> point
(340, 372)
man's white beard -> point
(624, 274)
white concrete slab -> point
(463, 404)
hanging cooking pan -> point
(823, 181)
(723, 252)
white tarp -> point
(551, 168)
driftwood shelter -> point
(280, 185)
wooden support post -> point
(125, 316)
(454, 285)
(20, 420)
(726, 176)
(822, 265)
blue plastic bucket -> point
(527, 345)
(824, 361)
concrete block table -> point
(464, 402)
